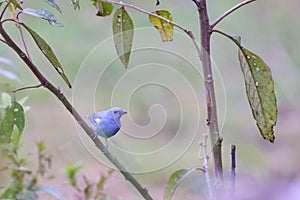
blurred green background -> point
(269, 28)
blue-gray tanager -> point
(106, 123)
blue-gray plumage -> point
(106, 123)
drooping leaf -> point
(123, 34)
(53, 4)
(259, 88)
(75, 4)
(103, 8)
(14, 116)
(260, 92)
(175, 179)
(164, 28)
(51, 191)
(48, 52)
(43, 14)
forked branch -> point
(231, 10)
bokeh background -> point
(85, 48)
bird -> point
(106, 123)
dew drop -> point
(253, 57)
(248, 57)
(256, 83)
(254, 64)
(119, 18)
(257, 69)
(16, 110)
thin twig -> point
(20, 30)
(186, 30)
(3, 41)
(231, 10)
(148, 13)
(4, 9)
(233, 173)
(205, 166)
(26, 88)
(22, 35)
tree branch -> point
(186, 30)
(28, 87)
(4, 9)
(59, 94)
(219, 19)
(212, 117)
(2, 41)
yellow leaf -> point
(164, 28)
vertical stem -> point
(232, 176)
(212, 120)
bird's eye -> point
(115, 112)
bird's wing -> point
(95, 119)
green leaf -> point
(175, 179)
(44, 14)
(48, 52)
(103, 8)
(51, 191)
(164, 28)
(6, 127)
(16, 4)
(260, 92)
(16, 136)
(41, 146)
(123, 34)
(19, 117)
(53, 4)
(14, 116)
(71, 171)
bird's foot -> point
(105, 150)
(95, 136)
